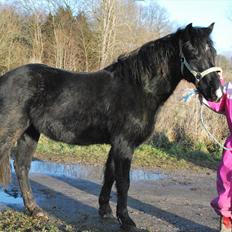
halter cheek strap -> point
(198, 75)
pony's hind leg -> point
(105, 210)
(6, 143)
(8, 138)
(25, 148)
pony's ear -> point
(187, 32)
(209, 29)
(189, 27)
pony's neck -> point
(159, 67)
(155, 67)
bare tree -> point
(154, 19)
(37, 38)
(11, 50)
(34, 18)
(223, 62)
(137, 24)
(105, 29)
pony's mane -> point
(147, 60)
(151, 59)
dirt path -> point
(176, 202)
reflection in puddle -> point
(7, 198)
(86, 171)
(12, 196)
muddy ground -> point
(176, 201)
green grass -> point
(164, 155)
(55, 151)
(13, 221)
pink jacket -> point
(224, 106)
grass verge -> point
(13, 221)
(170, 156)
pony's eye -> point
(190, 51)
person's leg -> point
(225, 224)
(222, 203)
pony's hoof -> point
(107, 216)
(105, 212)
(39, 213)
(133, 229)
(129, 228)
(127, 224)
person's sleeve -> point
(218, 107)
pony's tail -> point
(5, 171)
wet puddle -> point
(86, 171)
(7, 198)
(11, 195)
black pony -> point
(115, 106)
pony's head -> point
(197, 56)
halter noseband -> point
(198, 75)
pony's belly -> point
(77, 136)
(93, 135)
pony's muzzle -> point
(219, 93)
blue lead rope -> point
(189, 94)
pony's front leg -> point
(109, 178)
(25, 148)
(122, 160)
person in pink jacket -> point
(222, 204)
